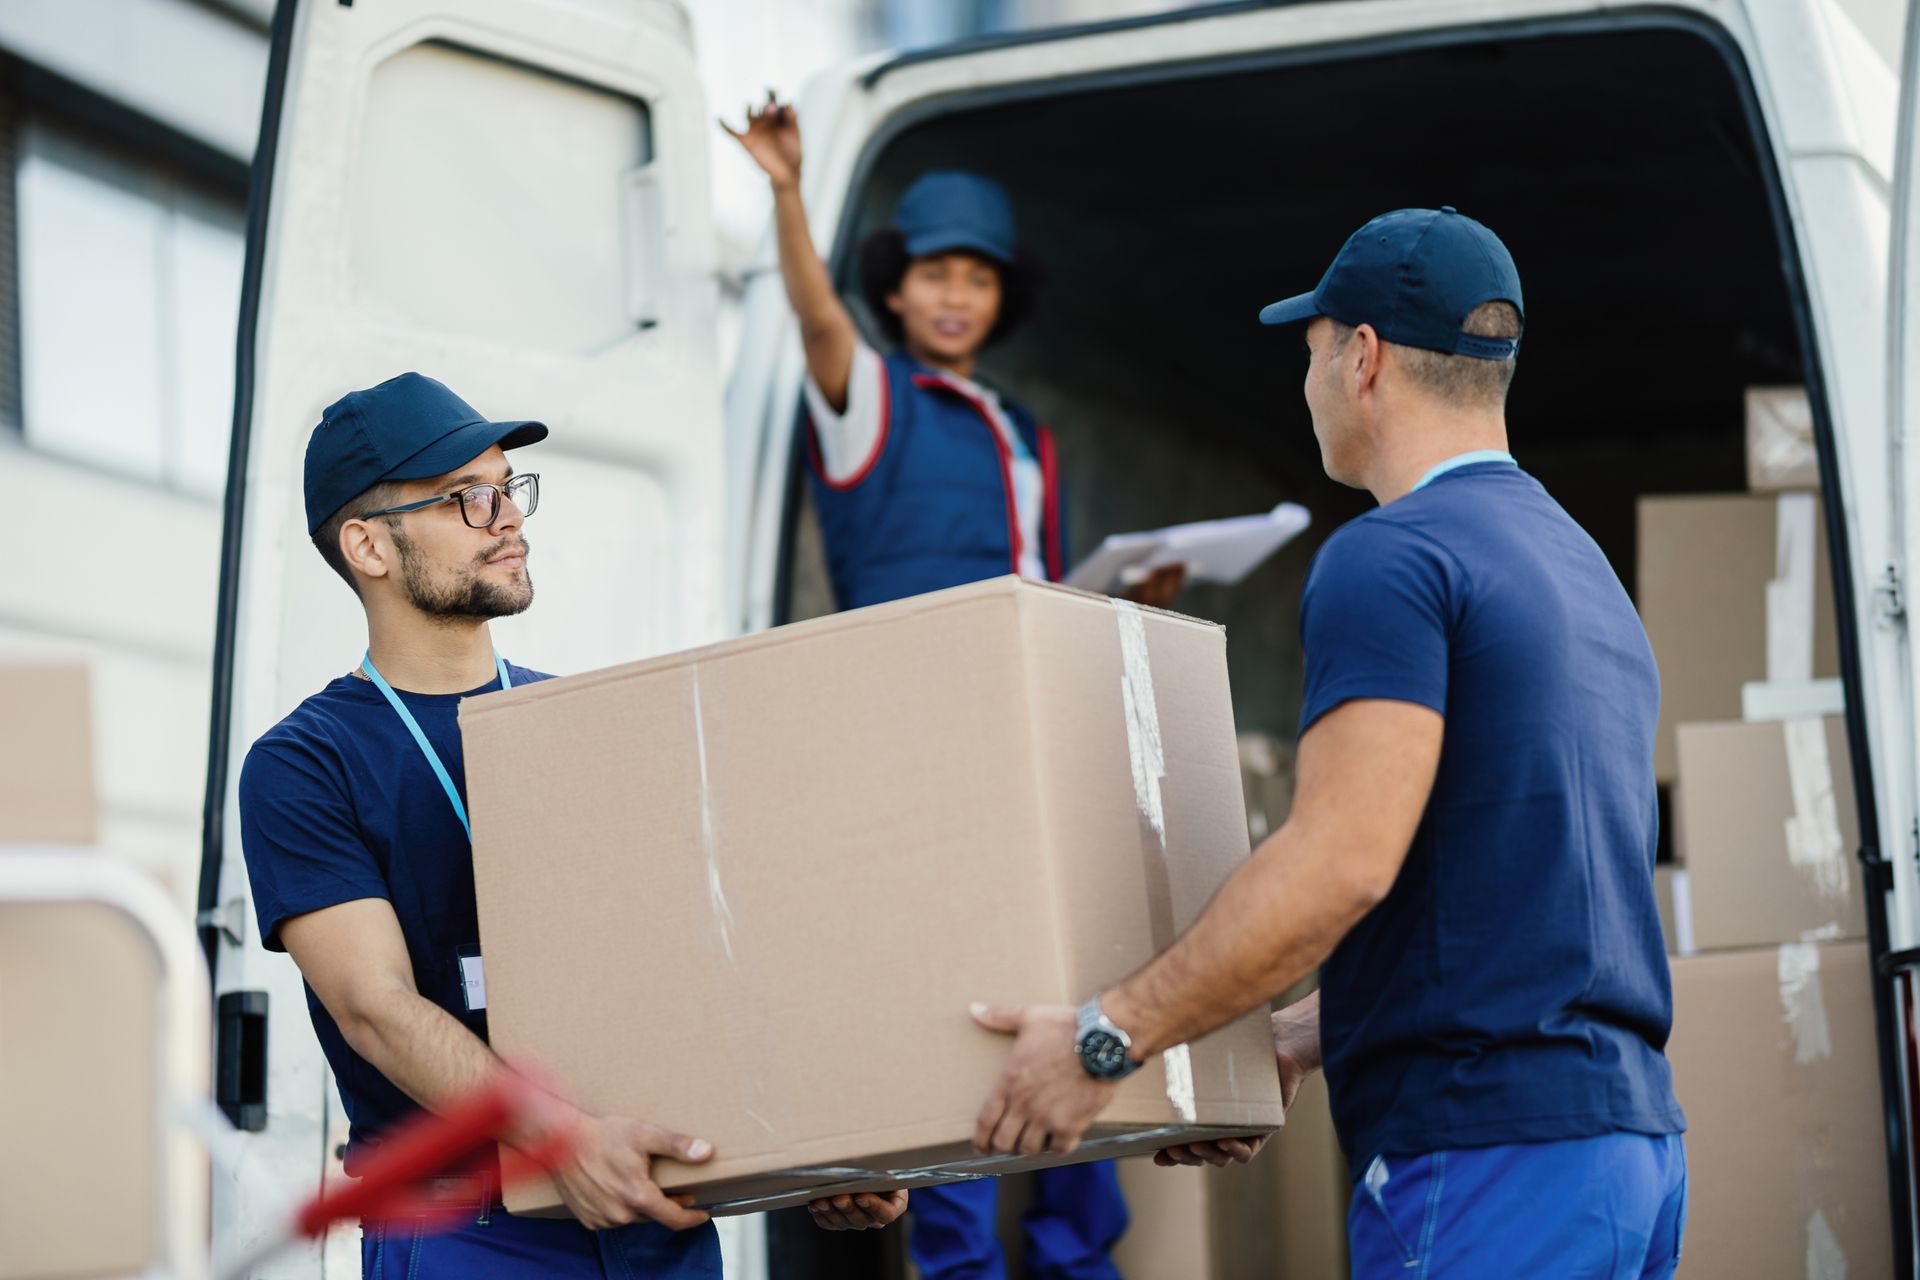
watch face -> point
(1103, 1054)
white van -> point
(512, 195)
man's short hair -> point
(326, 539)
(1466, 381)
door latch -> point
(230, 918)
(1889, 599)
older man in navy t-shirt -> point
(1471, 848)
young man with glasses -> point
(354, 825)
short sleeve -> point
(1375, 619)
(303, 847)
(850, 442)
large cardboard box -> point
(748, 892)
(1663, 877)
(1704, 568)
(46, 756)
(1767, 834)
(1774, 1062)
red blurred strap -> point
(459, 1139)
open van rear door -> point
(1903, 327)
(511, 196)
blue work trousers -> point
(1078, 1215)
(1606, 1208)
(496, 1244)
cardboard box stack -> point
(748, 892)
(1705, 568)
(1773, 1046)
(79, 1015)
(1773, 1059)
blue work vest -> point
(934, 508)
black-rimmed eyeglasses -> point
(479, 503)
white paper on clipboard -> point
(1220, 551)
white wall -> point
(128, 290)
(744, 48)
(198, 68)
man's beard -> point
(467, 595)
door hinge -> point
(1877, 870)
(230, 918)
(1889, 598)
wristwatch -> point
(1102, 1047)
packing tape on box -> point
(1790, 594)
(1780, 450)
(716, 893)
(1802, 1006)
(1178, 1064)
(1680, 887)
(1825, 1261)
(1813, 828)
(1146, 754)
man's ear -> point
(895, 305)
(365, 553)
(1364, 353)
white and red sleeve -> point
(851, 442)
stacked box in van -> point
(1773, 1045)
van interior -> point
(1618, 163)
(1617, 159)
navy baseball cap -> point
(1415, 275)
(952, 209)
(407, 428)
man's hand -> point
(607, 1181)
(1218, 1153)
(772, 138)
(1044, 1099)
(1296, 1045)
(1296, 1053)
(863, 1212)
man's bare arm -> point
(355, 958)
(1364, 773)
(1365, 770)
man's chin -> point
(517, 599)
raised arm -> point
(355, 958)
(772, 138)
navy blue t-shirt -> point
(337, 802)
(1513, 985)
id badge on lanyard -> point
(473, 977)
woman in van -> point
(926, 478)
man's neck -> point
(431, 656)
(1399, 470)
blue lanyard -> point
(426, 748)
(1466, 460)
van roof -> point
(1068, 31)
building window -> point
(129, 289)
